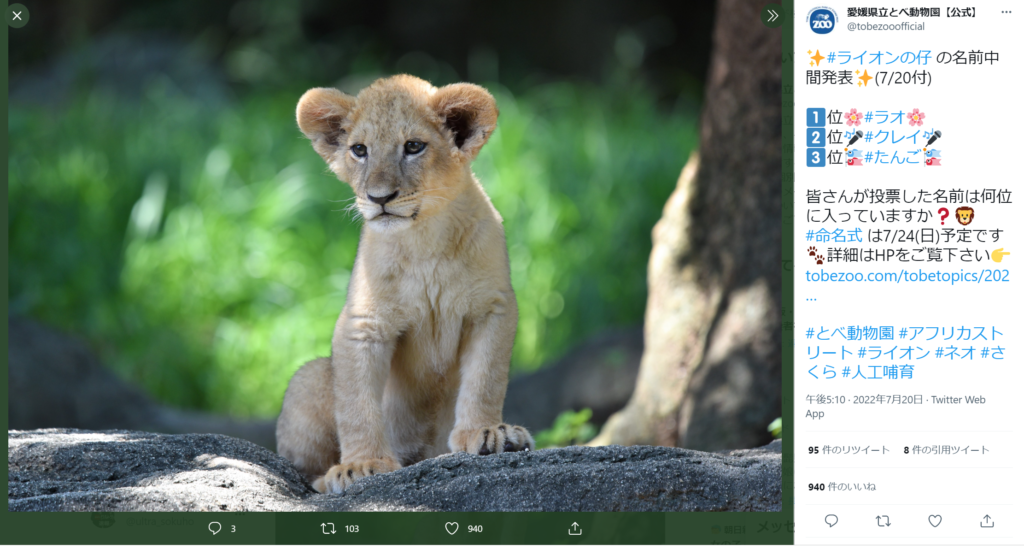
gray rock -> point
(71, 470)
(56, 381)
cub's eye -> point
(359, 150)
(414, 147)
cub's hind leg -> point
(306, 431)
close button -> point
(17, 16)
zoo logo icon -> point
(822, 20)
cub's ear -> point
(469, 113)
(322, 114)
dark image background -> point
(165, 210)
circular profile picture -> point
(822, 20)
(103, 520)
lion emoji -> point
(965, 215)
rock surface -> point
(56, 381)
(71, 470)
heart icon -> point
(935, 520)
(452, 527)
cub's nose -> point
(382, 199)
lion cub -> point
(420, 354)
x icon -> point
(17, 16)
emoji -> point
(965, 215)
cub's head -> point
(403, 145)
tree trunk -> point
(711, 374)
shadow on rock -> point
(56, 382)
(70, 470)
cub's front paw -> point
(491, 440)
(344, 475)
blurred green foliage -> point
(203, 252)
(570, 428)
(775, 427)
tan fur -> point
(420, 354)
